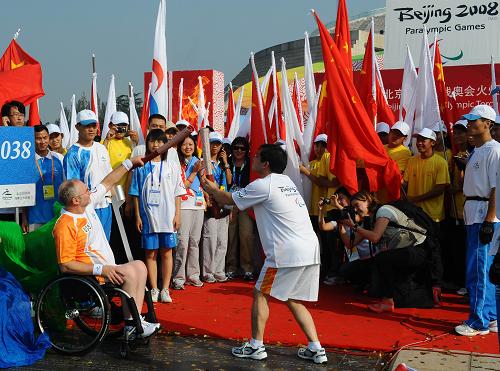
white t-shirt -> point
(285, 229)
(480, 177)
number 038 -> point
(14, 150)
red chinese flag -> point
(350, 131)
(297, 105)
(229, 113)
(445, 108)
(145, 114)
(275, 125)
(20, 76)
(257, 129)
(384, 110)
(34, 117)
(342, 36)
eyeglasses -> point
(239, 148)
(87, 192)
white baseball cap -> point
(119, 118)
(402, 127)
(321, 138)
(182, 123)
(226, 141)
(86, 117)
(53, 128)
(426, 133)
(462, 123)
(439, 126)
(215, 137)
(481, 111)
(383, 127)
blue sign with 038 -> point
(17, 155)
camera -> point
(325, 201)
(340, 214)
(122, 129)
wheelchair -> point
(78, 313)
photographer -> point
(399, 247)
(357, 268)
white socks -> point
(314, 345)
(255, 344)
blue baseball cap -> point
(481, 111)
(86, 117)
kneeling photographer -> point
(398, 238)
(357, 268)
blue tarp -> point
(18, 345)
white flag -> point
(63, 125)
(235, 125)
(265, 81)
(110, 107)
(135, 122)
(424, 107)
(72, 130)
(408, 85)
(292, 132)
(201, 103)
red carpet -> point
(222, 310)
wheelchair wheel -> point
(74, 312)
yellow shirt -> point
(400, 154)
(324, 171)
(119, 150)
(449, 156)
(422, 175)
(316, 191)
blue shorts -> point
(152, 241)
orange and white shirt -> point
(80, 237)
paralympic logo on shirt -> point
(300, 202)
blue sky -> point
(216, 34)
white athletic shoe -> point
(493, 326)
(154, 295)
(318, 356)
(246, 351)
(465, 330)
(165, 296)
(148, 328)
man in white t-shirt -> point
(480, 220)
(291, 268)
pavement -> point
(444, 360)
(170, 352)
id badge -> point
(199, 200)
(48, 192)
(154, 197)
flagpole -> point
(452, 188)
(93, 63)
(374, 82)
(16, 35)
(181, 93)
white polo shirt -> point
(283, 221)
(480, 177)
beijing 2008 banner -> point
(467, 30)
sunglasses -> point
(239, 148)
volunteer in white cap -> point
(56, 139)
(383, 131)
(426, 178)
(88, 161)
(480, 183)
(395, 148)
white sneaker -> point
(493, 326)
(246, 351)
(318, 356)
(154, 295)
(148, 328)
(165, 296)
(465, 330)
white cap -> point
(402, 127)
(321, 138)
(439, 126)
(182, 123)
(86, 117)
(462, 123)
(226, 141)
(497, 120)
(53, 128)
(481, 111)
(383, 127)
(426, 133)
(215, 137)
(119, 118)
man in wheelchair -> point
(82, 247)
